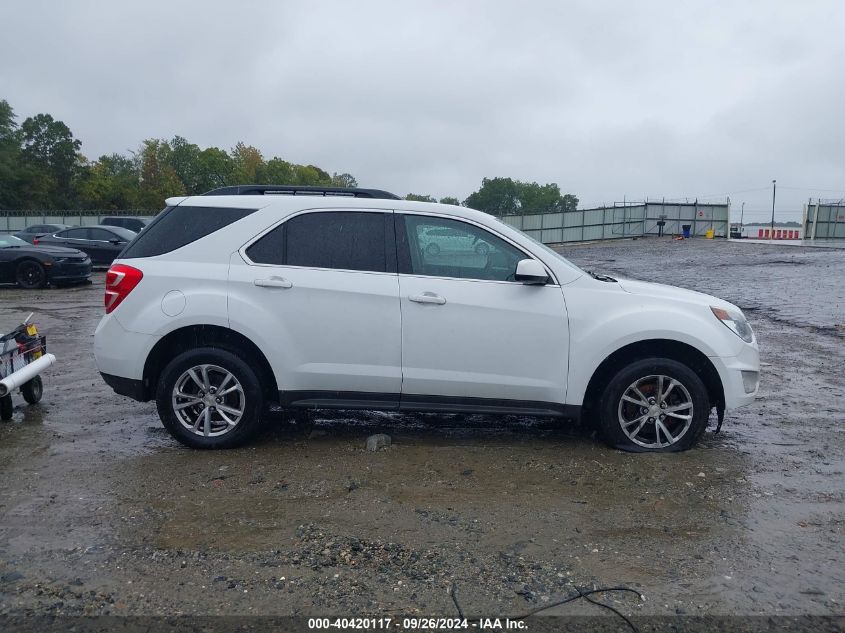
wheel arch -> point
(665, 348)
(193, 336)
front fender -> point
(602, 322)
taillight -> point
(120, 281)
(35, 241)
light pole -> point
(741, 215)
(774, 191)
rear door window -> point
(342, 240)
(75, 234)
(101, 235)
(176, 227)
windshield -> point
(11, 240)
(545, 248)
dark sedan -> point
(30, 233)
(32, 266)
(102, 243)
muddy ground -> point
(101, 512)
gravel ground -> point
(102, 513)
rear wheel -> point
(32, 390)
(654, 405)
(209, 398)
(30, 274)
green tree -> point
(343, 180)
(10, 149)
(505, 196)
(184, 159)
(112, 182)
(450, 200)
(277, 172)
(41, 167)
(497, 196)
(158, 178)
(248, 163)
(311, 175)
(49, 148)
(214, 168)
(416, 197)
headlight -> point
(735, 322)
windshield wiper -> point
(601, 277)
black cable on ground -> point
(453, 591)
(610, 608)
(580, 595)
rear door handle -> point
(274, 282)
(428, 297)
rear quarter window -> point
(176, 227)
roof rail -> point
(296, 190)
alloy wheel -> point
(208, 400)
(655, 411)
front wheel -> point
(654, 405)
(31, 275)
(209, 398)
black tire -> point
(651, 432)
(433, 249)
(6, 408)
(225, 362)
(30, 274)
(32, 390)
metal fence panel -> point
(573, 234)
(824, 220)
(532, 222)
(552, 236)
(593, 216)
(573, 218)
(593, 232)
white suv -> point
(334, 298)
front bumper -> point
(70, 271)
(734, 384)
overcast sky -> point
(609, 100)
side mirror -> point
(531, 272)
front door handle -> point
(274, 282)
(428, 297)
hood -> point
(663, 291)
(59, 251)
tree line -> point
(42, 167)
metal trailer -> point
(23, 356)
